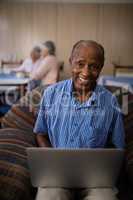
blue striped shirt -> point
(71, 124)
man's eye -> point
(93, 67)
(81, 64)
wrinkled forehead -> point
(84, 51)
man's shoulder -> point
(106, 96)
(104, 91)
(58, 87)
(49, 58)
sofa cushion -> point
(23, 114)
(14, 173)
(127, 99)
(128, 122)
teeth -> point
(83, 80)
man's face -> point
(35, 55)
(86, 68)
(45, 52)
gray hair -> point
(36, 49)
(50, 46)
(99, 49)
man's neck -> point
(83, 97)
(34, 60)
(83, 94)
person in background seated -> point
(78, 113)
(31, 63)
(48, 70)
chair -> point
(10, 64)
(124, 70)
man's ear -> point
(102, 66)
(100, 69)
(70, 60)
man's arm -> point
(41, 128)
(22, 67)
(43, 140)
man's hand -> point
(43, 140)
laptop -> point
(74, 168)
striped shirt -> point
(71, 124)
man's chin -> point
(86, 87)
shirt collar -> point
(93, 101)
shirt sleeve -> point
(21, 68)
(118, 134)
(41, 122)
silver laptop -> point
(74, 168)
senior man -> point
(77, 113)
(30, 63)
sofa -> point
(16, 135)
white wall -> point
(24, 24)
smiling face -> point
(86, 67)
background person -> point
(31, 63)
(48, 71)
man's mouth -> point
(83, 80)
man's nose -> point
(86, 70)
